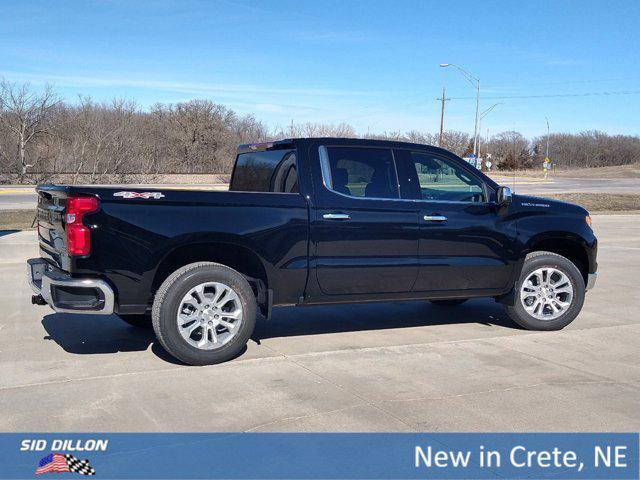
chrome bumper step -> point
(66, 294)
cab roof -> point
(291, 143)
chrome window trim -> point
(326, 182)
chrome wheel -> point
(210, 315)
(546, 294)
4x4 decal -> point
(156, 195)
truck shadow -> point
(97, 334)
(91, 334)
(288, 322)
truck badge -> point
(146, 195)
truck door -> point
(365, 236)
(464, 243)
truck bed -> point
(132, 237)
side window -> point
(440, 179)
(359, 172)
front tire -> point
(550, 293)
(204, 313)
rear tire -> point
(204, 313)
(550, 292)
(449, 303)
(138, 321)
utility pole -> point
(547, 155)
(547, 162)
(443, 99)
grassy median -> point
(17, 219)
(603, 202)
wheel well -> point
(241, 259)
(568, 249)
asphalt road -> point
(378, 367)
(17, 198)
(24, 197)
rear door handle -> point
(336, 216)
(435, 218)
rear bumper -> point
(591, 281)
(66, 294)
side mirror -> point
(504, 196)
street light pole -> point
(476, 83)
(477, 124)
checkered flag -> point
(79, 466)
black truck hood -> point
(527, 202)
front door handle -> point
(435, 218)
(336, 216)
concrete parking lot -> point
(378, 367)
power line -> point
(381, 110)
(565, 82)
(558, 95)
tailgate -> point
(51, 234)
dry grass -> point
(16, 219)
(622, 171)
(602, 202)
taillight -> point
(78, 236)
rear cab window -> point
(266, 171)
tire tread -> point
(531, 323)
(162, 292)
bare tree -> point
(456, 141)
(315, 130)
(591, 149)
(510, 150)
(118, 142)
(24, 113)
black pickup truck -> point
(307, 222)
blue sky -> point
(373, 64)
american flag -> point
(58, 462)
(54, 462)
